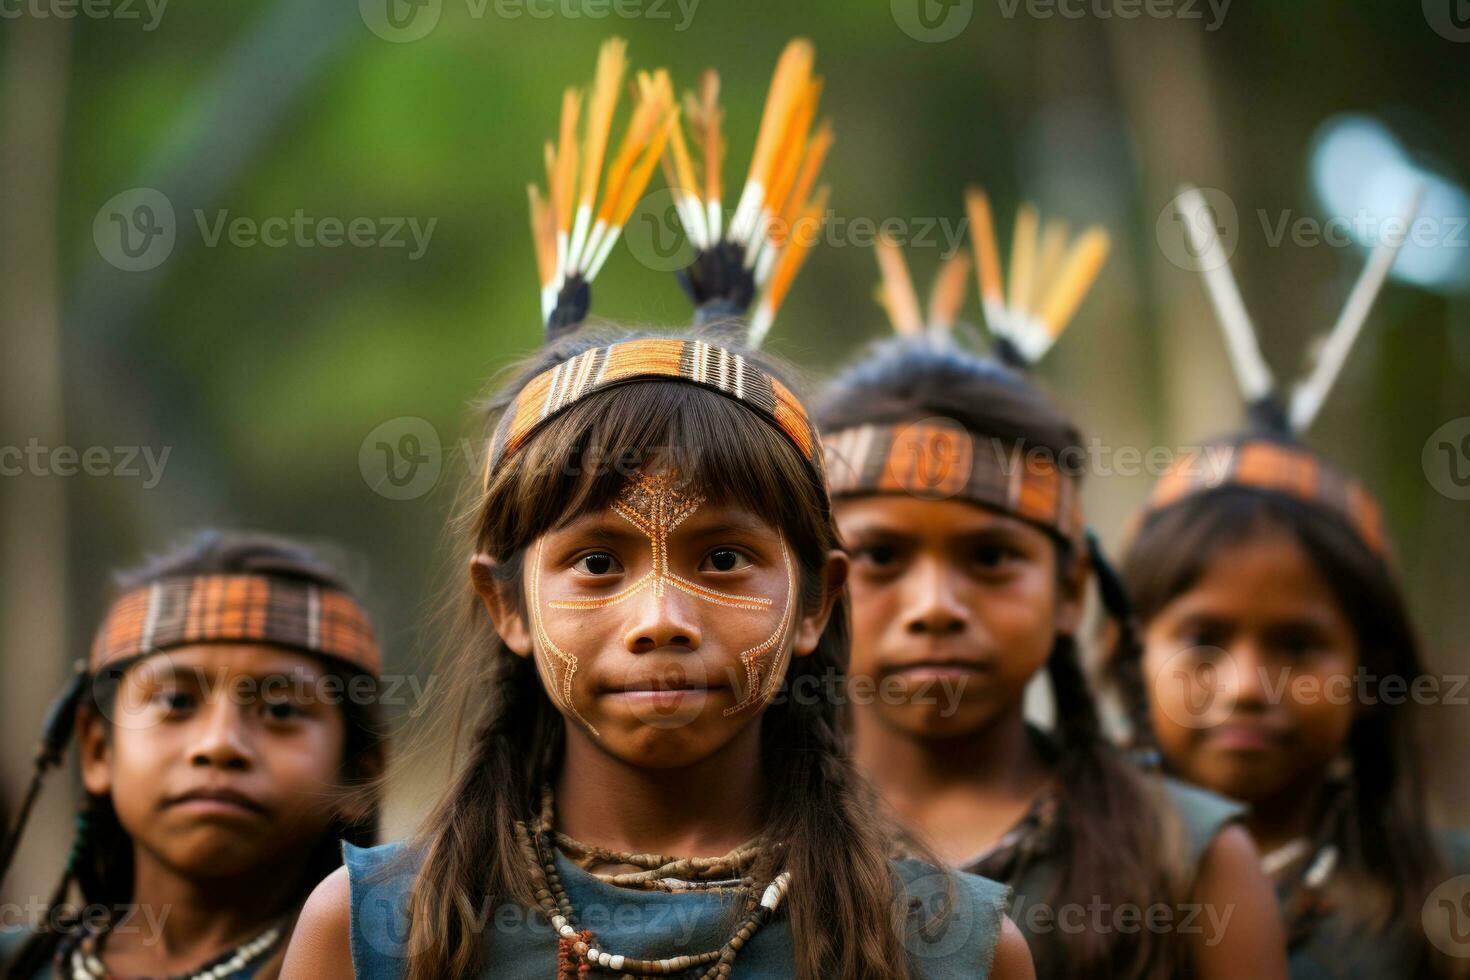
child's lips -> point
(938, 670)
(217, 801)
(1247, 737)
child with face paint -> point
(955, 484)
(226, 725)
(1275, 632)
(655, 576)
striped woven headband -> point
(1275, 467)
(656, 359)
(936, 459)
(246, 608)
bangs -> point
(1176, 547)
(581, 460)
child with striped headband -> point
(654, 618)
(228, 736)
(956, 488)
(1275, 633)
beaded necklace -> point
(84, 960)
(579, 953)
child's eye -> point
(993, 555)
(876, 554)
(173, 701)
(724, 560)
(598, 563)
(281, 710)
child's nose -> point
(662, 618)
(933, 606)
(221, 739)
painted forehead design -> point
(656, 504)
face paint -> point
(756, 689)
(657, 504)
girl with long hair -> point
(956, 486)
(653, 622)
(1275, 635)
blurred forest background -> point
(272, 376)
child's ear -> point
(94, 748)
(1072, 597)
(813, 622)
(500, 603)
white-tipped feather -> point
(766, 263)
(1245, 353)
(1308, 397)
(578, 243)
(604, 249)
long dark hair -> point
(100, 864)
(1388, 860)
(1110, 816)
(842, 902)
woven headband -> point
(1274, 467)
(937, 459)
(247, 608)
(657, 359)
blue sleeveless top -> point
(521, 945)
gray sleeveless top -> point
(1336, 949)
(1191, 819)
(521, 945)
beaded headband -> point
(246, 608)
(1272, 466)
(937, 459)
(652, 359)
